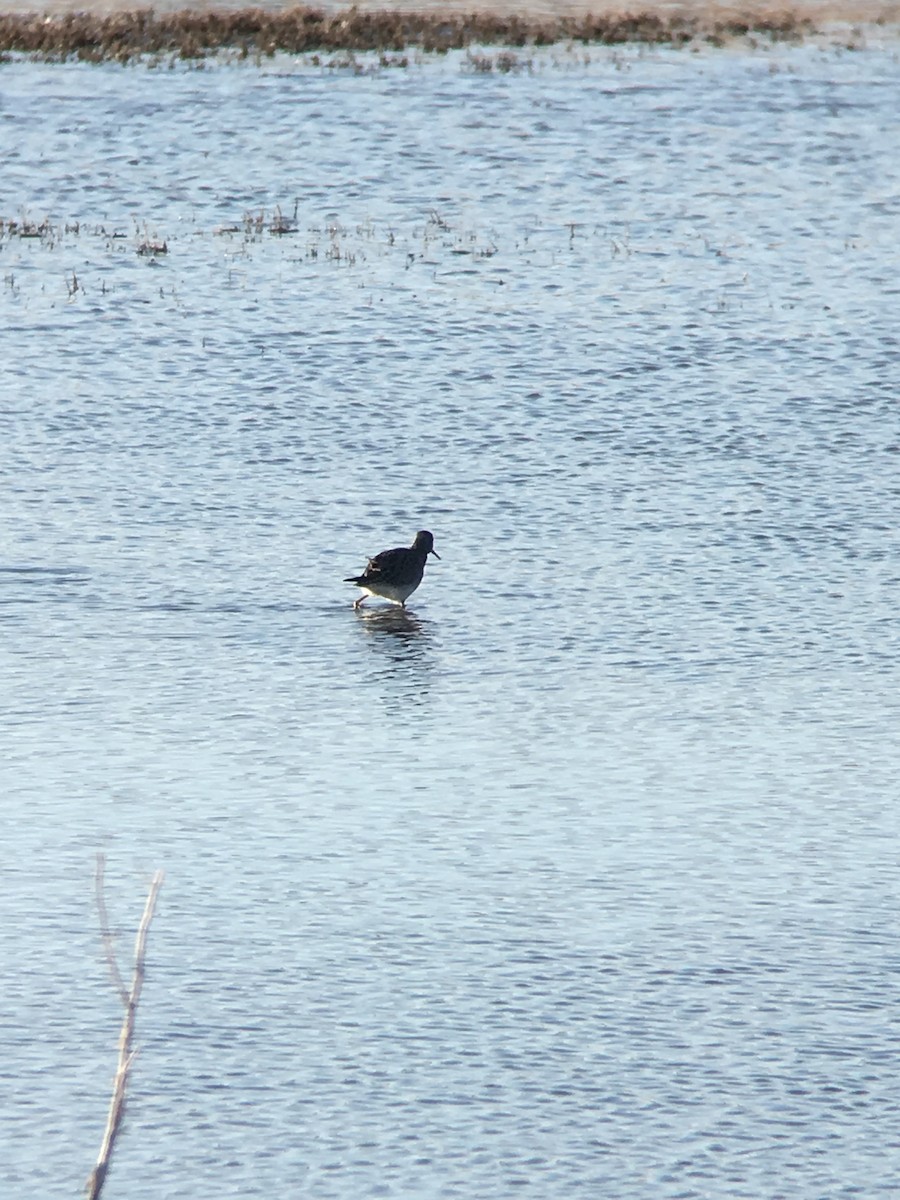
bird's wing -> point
(383, 561)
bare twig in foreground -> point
(109, 944)
(129, 998)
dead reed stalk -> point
(129, 997)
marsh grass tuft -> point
(26, 228)
(152, 249)
(504, 63)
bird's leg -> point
(360, 601)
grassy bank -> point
(192, 34)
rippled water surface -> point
(580, 877)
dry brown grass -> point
(196, 33)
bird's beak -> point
(434, 552)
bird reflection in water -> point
(404, 666)
(392, 622)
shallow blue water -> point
(580, 878)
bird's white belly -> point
(391, 591)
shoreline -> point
(64, 32)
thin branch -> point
(109, 944)
(126, 1053)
